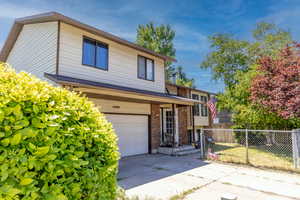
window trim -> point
(96, 42)
(204, 107)
(138, 69)
(196, 105)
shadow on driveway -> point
(142, 169)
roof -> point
(54, 16)
(193, 89)
(65, 80)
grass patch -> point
(183, 194)
(269, 156)
(122, 196)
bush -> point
(54, 144)
(254, 138)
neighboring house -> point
(125, 80)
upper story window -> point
(196, 106)
(204, 110)
(95, 54)
(145, 68)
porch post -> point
(193, 123)
(174, 124)
(162, 125)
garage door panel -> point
(132, 131)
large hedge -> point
(54, 144)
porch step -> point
(178, 151)
(184, 148)
(187, 152)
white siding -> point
(122, 64)
(35, 49)
(110, 106)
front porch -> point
(177, 131)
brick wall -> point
(183, 117)
(183, 124)
(155, 127)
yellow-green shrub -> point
(54, 144)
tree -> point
(181, 78)
(159, 39)
(227, 58)
(234, 61)
(247, 114)
(231, 55)
(277, 87)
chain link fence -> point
(277, 149)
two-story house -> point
(125, 80)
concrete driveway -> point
(162, 177)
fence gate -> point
(296, 148)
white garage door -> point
(132, 131)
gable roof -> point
(54, 16)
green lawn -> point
(277, 157)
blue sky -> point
(193, 21)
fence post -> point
(296, 147)
(201, 143)
(247, 146)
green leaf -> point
(31, 146)
(21, 124)
(16, 139)
(62, 197)
(35, 109)
(4, 175)
(50, 130)
(5, 142)
(51, 157)
(37, 123)
(26, 181)
(28, 132)
(2, 134)
(14, 191)
(1, 116)
(41, 151)
(17, 111)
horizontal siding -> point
(172, 89)
(111, 106)
(122, 69)
(35, 49)
(201, 121)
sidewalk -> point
(163, 177)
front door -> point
(169, 131)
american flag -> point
(212, 107)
